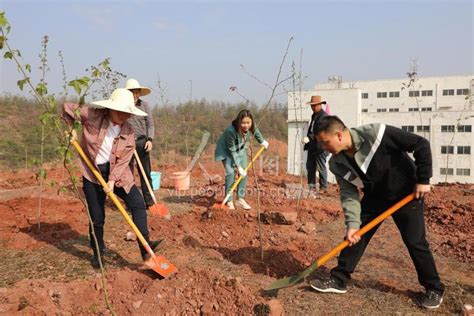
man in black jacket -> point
(375, 158)
(316, 159)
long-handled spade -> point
(294, 279)
(156, 208)
(159, 263)
(236, 183)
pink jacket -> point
(94, 128)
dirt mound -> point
(450, 213)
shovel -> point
(294, 279)
(156, 208)
(236, 183)
(159, 264)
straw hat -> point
(133, 84)
(120, 100)
(316, 99)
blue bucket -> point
(155, 180)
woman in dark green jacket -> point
(231, 150)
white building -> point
(439, 108)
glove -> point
(242, 171)
(306, 140)
(265, 144)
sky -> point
(196, 48)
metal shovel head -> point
(219, 206)
(160, 209)
(286, 282)
(161, 265)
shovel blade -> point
(161, 265)
(160, 209)
(285, 282)
(219, 206)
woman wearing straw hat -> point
(144, 130)
(108, 140)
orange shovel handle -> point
(113, 197)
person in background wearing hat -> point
(316, 158)
(144, 129)
(108, 140)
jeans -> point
(229, 167)
(317, 162)
(95, 197)
(411, 224)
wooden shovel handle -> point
(113, 197)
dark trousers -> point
(317, 162)
(95, 197)
(145, 160)
(411, 224)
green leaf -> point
(96, 73)
(28, 68)
(41, 88)
(2, 41)
(42, 174)
(21, 83)
(3, 19)
(8, 55)
(76, 85)
(82, 100)
(44, 118)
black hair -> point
(243, 114)
(328, 124)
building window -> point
(381, 95)
(446, 171)
(393, 110)
(422, 128)
(365, 110)
(408, 128)
(463, 172)
(447, 150)
(464, 128)
(428, 109)
(415, 93)
(447, 128)
(464, 150)
(427, 93)
(448, 92)
(462, 91)
(412, 109)
(381, 110)
(394, 94)
(365, 95)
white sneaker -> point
(243, 204)
(230, 205)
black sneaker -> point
(329, 286)
(431, 299)
(154, 245)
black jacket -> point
(314, 147)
